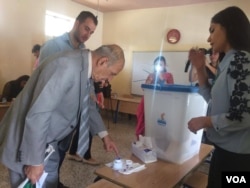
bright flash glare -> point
(158, 68)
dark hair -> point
(159, 59)
(237, 27)
(210, 52)
(107, 90)
(13, 88)
(86, 14)
(22, 78)
(221, 56)
(36, 48)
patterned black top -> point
(230, 105)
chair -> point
(108, 106)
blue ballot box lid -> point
(172, 87)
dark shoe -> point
(74, 157)
(90, 161)
(60, 185)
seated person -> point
(99, 94)
(106, 89)
(13, 88)
(36, 52)
(159, 76)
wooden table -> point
(126, 105)
(3, 108)
(160, 174)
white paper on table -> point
(136, 167)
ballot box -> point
(168, 109)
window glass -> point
(57, 24)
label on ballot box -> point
(168, 109)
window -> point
(57, 24)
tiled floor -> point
(79, 175)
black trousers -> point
(74, 145)
(64, 146)
(225, 161)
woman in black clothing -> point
(13, 88)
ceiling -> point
(120, 5)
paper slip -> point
(39, 184)
(26, 183)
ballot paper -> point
(27, 184)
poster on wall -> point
(143, 65)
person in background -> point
(13, 88)
(211, 65)
(159, 76)
(87, 158)
(36, 52)
(99, 86)
(57, 95)
(106, 91)
(84, 26)
(227, 122)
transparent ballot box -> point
(168, 109)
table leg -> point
(116, 111)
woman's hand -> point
(198, 123)
(197, 58)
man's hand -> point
(34, 173)
(109, 145)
